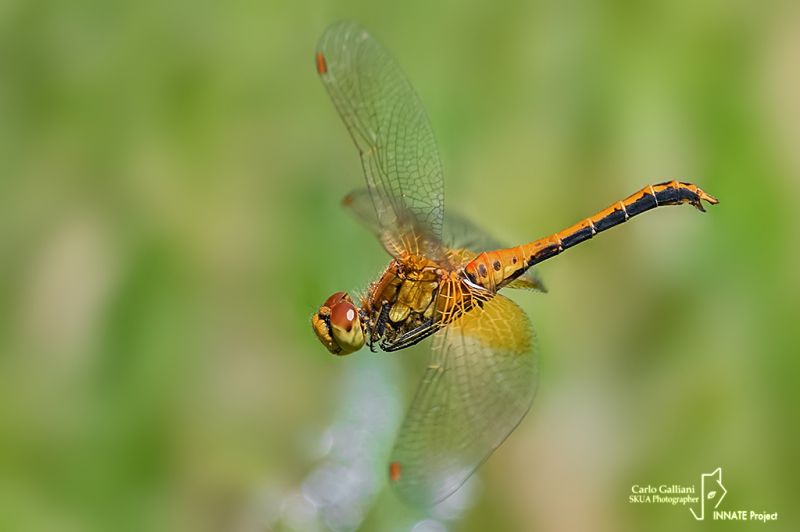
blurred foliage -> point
(170, 175)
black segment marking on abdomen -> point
(686, 194)
(544, 254)
(668, 196)
(645, 203)
(615, 218)
(577, 237)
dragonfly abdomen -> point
(495, 269)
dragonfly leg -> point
(414, 336)
(379, 329)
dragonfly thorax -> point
(403, 306)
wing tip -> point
(395, 471)
(322, 65)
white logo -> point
(708, 497)
(715, 492)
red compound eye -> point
(344, 315)
(335, 298)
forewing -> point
(478, 386)
(462, 239)
(391, 130)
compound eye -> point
(344, 315)
(335, 298)
(346, 327)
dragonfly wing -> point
(460, 232)
(389, 126)
(479, 385)
(461, 238)
(359, 204)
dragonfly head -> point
(338, 325)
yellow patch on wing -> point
(499, 324)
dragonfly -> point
(444, 278)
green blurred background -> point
(170, 176)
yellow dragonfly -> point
(444, 277)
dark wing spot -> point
(514, 259)
(482, 270)
(496, 265)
